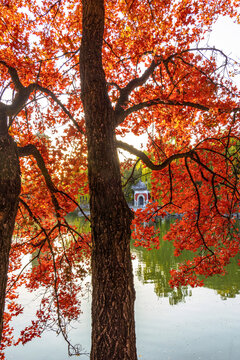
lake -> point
(184, 324)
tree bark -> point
(10, 186)
(113, 326)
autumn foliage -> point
(159, 73)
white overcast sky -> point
(226, 36)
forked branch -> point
(23, 93)
(132, 85)
(31, 150)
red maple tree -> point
(75, 78)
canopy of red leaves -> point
(157, 76)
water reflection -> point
(154, 267)
(227, 286)
(200, 327)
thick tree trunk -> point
(113, 326)
(9, 193)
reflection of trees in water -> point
(227, 286)
(154, 267)
(81, 224)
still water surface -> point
(184, 324)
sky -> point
(225, 36)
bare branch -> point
(213, 49)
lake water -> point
(184, 324)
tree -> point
(139, 65)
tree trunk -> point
(113, 326)
(10, 186)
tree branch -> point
(146, 104)
(54, 97)
(147, 161)
(14, 76)
(132, 85)
(23, 94)
(131, 175)
(32, 150)
(121, 114)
